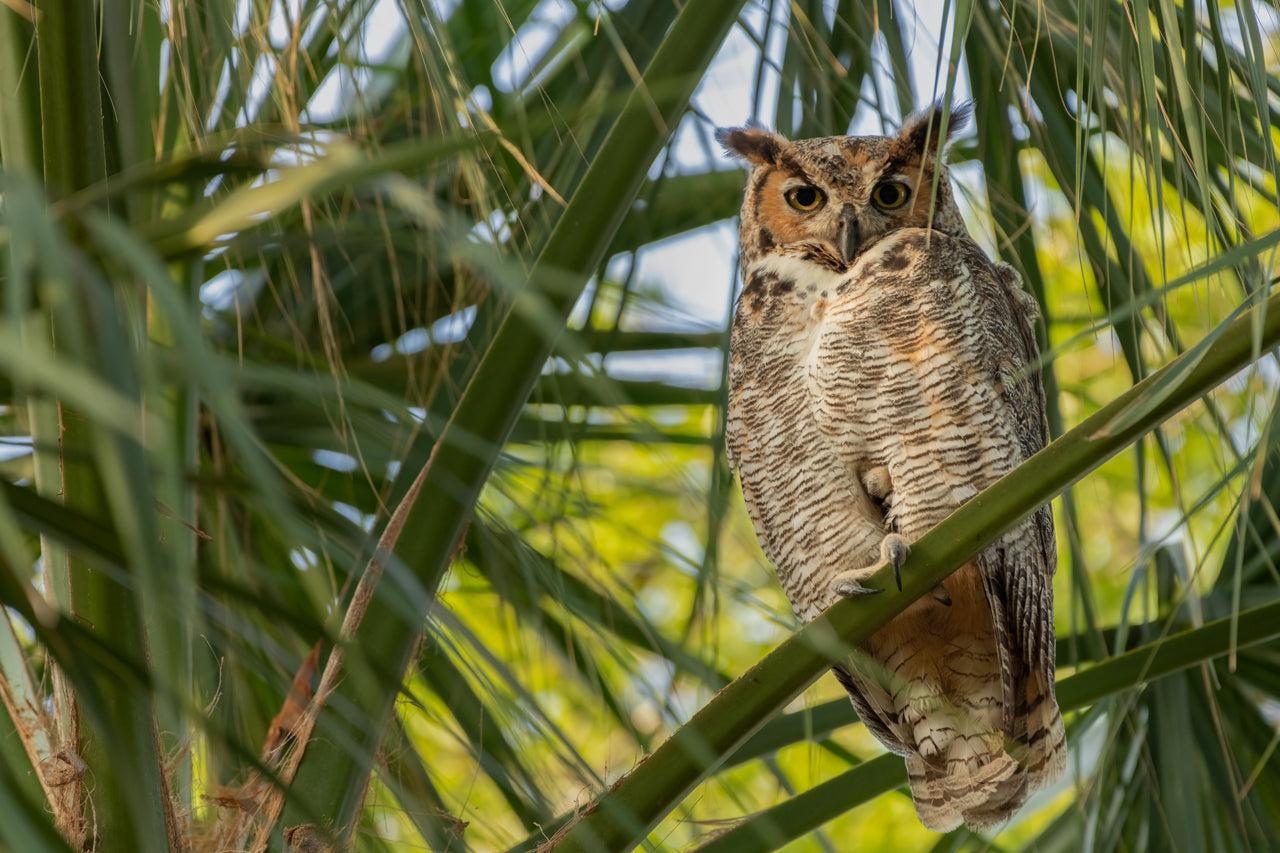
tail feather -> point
(982, 781)
(981, 790)
(1040, 734)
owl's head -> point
(830, 199)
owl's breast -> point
(811, 513)
(908, 338)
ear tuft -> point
(924, 130)
(754, 144)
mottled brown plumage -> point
(879, 378)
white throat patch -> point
(800, 271)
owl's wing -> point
(1028, 583)
(1017, 571)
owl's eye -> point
(891, 195)
(805, 198)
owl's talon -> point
(849, 584)
(851, 588)
(941, 595)
(894, 550)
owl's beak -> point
(850, 236)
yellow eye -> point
(805, 198)
(891, 195)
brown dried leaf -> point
(295, 704)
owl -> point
(882, 373)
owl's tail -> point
(1040, 735)
(982, 788)
(981, 782)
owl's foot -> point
(848, 584)
(877, 483)
(941, 595)
(894, 550)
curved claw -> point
(848, 584)
(894, 550)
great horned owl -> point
(880, 375)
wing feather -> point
(1028, 571)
